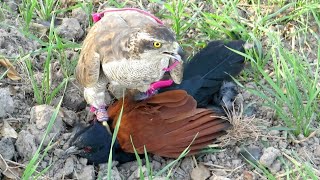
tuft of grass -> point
(295, 167)
(30, 170)
(45, 93)
(284, 77)
(44, 9)
(293, 90)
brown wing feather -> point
(88, 67)
(165, 129)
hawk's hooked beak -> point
(176, 55)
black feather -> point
(204, 74)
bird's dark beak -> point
(71, 150)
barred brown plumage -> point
(119, 53)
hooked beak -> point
(177, 54)
(71, 150)
(174, 56)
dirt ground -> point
(23, 123)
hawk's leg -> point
(96, 97)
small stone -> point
(317, 151)
(310, 141)
(275, 167)
(136, 173)
(68, 166)
(81, 16)
(282, 144)
(248, 175)
(58, 152)
(83, 161)
(270, 116)
(269, 155)
(73, 98)
(132, 166)
(154, 8)
(6, 102)
(26, 145)
(115, 174)
(187, 164)
(213, 157)
(200, 173)
(252, 154)
(44, 164)
(303, 152)
(236, 162)
(39, 29)
(70, 29)
(66, 136)
(87, 173)
(300, 136)
(7, 148)
(221, 155)
(250, 110)
(156, 165)
(40, 117)
(158, 158)
(12, 4)
(274, 132)
(69, 117)
(181, 174)
(8, 131)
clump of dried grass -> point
(243, 127)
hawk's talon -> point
(101, 113)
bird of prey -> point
(127, 49)
(168, 122)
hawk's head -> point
(154, 42)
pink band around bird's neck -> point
(97, 16)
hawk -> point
(127, 49)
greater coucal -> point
(166, 123)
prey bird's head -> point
(154, 42)
(94, 143)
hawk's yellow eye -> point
(157, 44)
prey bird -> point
(126, 49)
(179, 115)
